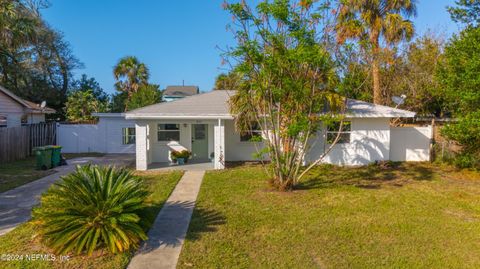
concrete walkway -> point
(16, 204)
(165, 238)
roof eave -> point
(400, 115)
(180, 117)
(108, 115)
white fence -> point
(410, 143)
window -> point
(253, 135)
(128, 136)
(3, 121)
(199, 131)
(332, 132)
(168, 132)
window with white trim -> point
(253, 135)
(168, 132)
(345, 133)
(128, 135)
(3, 121)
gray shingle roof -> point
(207, 105)
(180, 91)
(214, 104)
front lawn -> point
(17, 173)
(408, 216)
(22, 241)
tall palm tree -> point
(376, 21)
(130, 74)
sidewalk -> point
(165, 238)
(16, 204)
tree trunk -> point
(377, 92)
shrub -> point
(466, 132)
(466, 160)
(93, 207)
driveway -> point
(16, 204)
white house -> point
(203, 124)
(15, 111)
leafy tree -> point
(35, 62)
(144, 96)
(118, 102)
(287, 81)
(86, 84)
(227, 81)
(467, 133)
(459, 78)
(459, 72)
(81, 104)
(354, 72)
(130, 74)
(373, 22)
(466, 12)
(414, 74)
(412, 71)
(91, 208)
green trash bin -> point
(56, 155)
(44, 157)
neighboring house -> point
(203, 124)
(15, 111)
(173, 93)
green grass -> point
(17, 173)
(22, 239)
(406, 216)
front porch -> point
(156, 139)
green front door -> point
(200, 141)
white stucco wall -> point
(160, 149)
(105, 137)
(369, 142)
(372, 139)
(79, 138)
(236, 150)
(410, 143)
(113, 135)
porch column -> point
(141, 141)
(219, 145)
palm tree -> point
(130, 74)
(375, 21)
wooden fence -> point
(17, 143)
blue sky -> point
(176, 39)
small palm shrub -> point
(93, 207)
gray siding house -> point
(15, 111)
